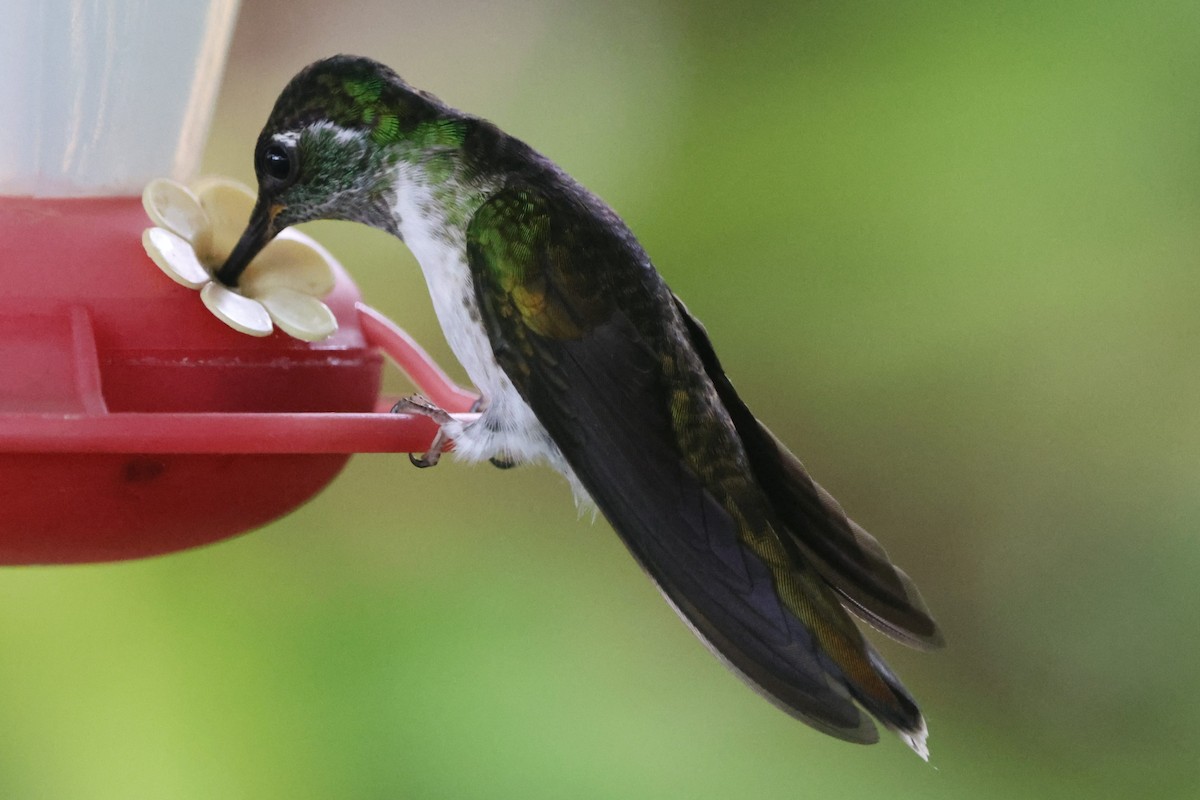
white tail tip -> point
(916, 740)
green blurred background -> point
(948, 251)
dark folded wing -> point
(583, 327)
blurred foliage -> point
(949, 251)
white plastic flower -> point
(196, 231)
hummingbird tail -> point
(850, 560)
(898, 712)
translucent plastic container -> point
(102, 96)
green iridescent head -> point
(353, 93)
(331, 145)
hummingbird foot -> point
(500, 461)
(417, 404)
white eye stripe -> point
(342, 135)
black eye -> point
(278, 163)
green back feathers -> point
(526, 250)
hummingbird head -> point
(331, 147)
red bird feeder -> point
(132, 421)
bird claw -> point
(430, 459)
(416, 404)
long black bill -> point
(259, 231)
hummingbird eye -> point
(277, 163)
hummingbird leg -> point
(416, 404)
(499, 462)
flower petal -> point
(240, 313)
(173, 207)
(228, 204)
(175, 256)
(291, 263)
(298, 314)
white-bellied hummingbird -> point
(587, 361)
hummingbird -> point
(587, 361)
